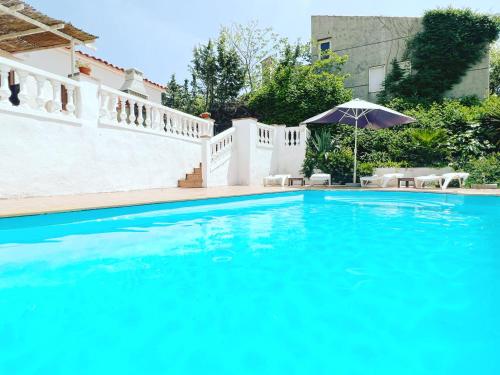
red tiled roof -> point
(107, 63)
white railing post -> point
(206, 158)
(113, 111)
(23, 88)
(123, 111)
(40, 100)
(131, 115)
(246, 145)
(70, 105)
(55, 104)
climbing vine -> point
(451, 42)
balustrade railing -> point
(265, 135)
(220, 145)
(28, 89)
(124, 110)
(294, 136)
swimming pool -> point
(308, 282)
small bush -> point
(485, 170)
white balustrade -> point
(124, 110)
(265, 135)
(38, 91)
(221, 144)
(293, 136)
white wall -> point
(44, 154)
(58, 61)
(251, 161)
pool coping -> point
(29, 206)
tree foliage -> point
(450, 133)
(495, 70)
(217, 80)
(252, 44)
(451, 42)
(297, 89)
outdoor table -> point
(406, 180)
(291, 180)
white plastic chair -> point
(382, 181)
(448, 177)
(321, 177)
(277, 179)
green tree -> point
(252, 44)
(173, 95)
(495, 70)
(297, 89)
(204, 69)
(230, 76)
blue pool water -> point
(294, 283)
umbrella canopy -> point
(365, 114)
(360, 114)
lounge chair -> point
(443, 180)
(382, 181)
(422, 180)
(321, 177)
(448, 177)
(277, 179)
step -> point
(190, 184)
(197, 170)
(194, 177)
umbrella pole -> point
(355, 147)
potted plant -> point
(83, 67)
(205, 115)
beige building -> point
(372, 43)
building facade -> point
(372, 43)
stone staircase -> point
(192, 180)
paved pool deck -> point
(42, 205)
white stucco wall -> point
(58, 61)
(256, 161)
(47, 155)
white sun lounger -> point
(443, 180)
(382, 181)
(421, 180)
(321, 178)
(448, 177)
(277, 179)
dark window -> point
(324, 47)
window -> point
(324, 46)
(376, 76)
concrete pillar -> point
(87, 99)
(206, 158)
(246, 143)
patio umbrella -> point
(360, 114)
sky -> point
(158, 37)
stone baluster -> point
(23, 88)
(169, 128)
(131, 115)
(148, 116)
(123, 110)
(103, 111)
(55, 104)
(140, 118)
(40, 100)
(155, 115)
(113, 108)
(70, 105)
(4, 85)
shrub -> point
(484, 170)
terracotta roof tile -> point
(107, 63)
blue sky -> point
(158, 36)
